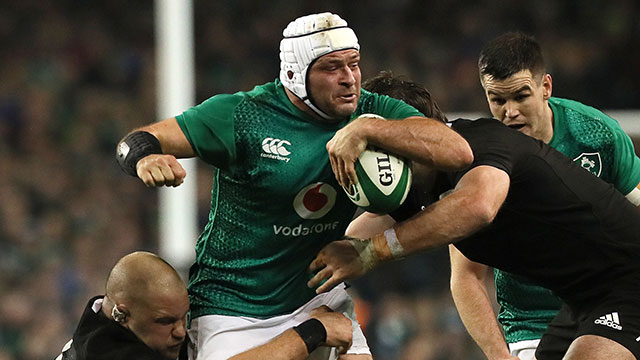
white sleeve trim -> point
(634, 196)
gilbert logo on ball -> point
(314, 200)
(384, 180)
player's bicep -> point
(171, 137)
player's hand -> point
(337, 261)
(339, 328)
(160, 170)
(344, 149)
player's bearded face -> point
(520, 102)
(334, 83)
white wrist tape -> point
(395, 247)
(634, 196)
(366, 251)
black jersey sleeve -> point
(493, 144)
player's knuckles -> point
(329, 146)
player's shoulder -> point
(242, 101)
(586, 125)
(258, 91)
(384, 105)
(578, 114)
(369, 100)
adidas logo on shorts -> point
(611, 320)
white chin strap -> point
(322, 114)
(305, 40)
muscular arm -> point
(171, 137)
(289, 345)
(164, 169)
(469, 292)
(420, 139)
(369, 224)
(471, 206)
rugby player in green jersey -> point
(275, 200)
(518, 91)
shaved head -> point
(140, 276)
(152, 300)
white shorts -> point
(219, 337)
(525, 350)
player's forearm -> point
(448, 220)
(288, 346)
(421, 139)
(472, 205)
(476, 312)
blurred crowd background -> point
(76, 75)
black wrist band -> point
(134, 147)
(312, 333)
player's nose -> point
(511, 110)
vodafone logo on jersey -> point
(315, 200)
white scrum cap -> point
(306, 39)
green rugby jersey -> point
(599, 145)
(275, 201)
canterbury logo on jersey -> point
(611, 320)
(275, 149)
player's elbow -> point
(459, 155)
(464, 154)
(481, 212)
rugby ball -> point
(384, 180)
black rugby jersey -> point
(559, 225)
(100, 338)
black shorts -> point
(615, 317)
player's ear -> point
(547, 86)
(119, 313)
